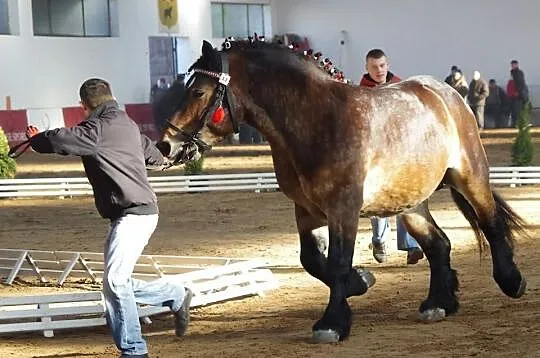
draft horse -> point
(343, 152)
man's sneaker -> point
(181, 317)
(414, 255)
(134, 356)
(379, 252)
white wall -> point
(421, 36)
(44, 72)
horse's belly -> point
(388, 192)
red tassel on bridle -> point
(218, 115)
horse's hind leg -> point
(443, 284)
(313, 243)
(489, 214)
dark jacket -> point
(478, 92)
(114, 153)
(367, 81)
(521, 86)
(496, 98)
(459, 85)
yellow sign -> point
(168, 13)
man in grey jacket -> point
(115, 154)
(478, 92)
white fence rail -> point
(67, 187)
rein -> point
(222, 95)
(16, 151)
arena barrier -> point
(212, 280)
(14, 122)
(257, 182)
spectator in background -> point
(158, 89)
(478, 92)
(496, 105)
(449, 78)
(517, 92)
(459, 83)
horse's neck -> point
(281, 111)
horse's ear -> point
(207, 49)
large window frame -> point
(84, 20)
(219, 11)
(5, 26)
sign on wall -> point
(168, 15)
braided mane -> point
(258, 43)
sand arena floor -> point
(279, 325)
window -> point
(85, 18)
(4, 18)
(239, 20)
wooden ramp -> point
(212, 280)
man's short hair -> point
(94, 92)
(454, 68)
(514, 62)
(492, 81)
(375, 54)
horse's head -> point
(206, 113)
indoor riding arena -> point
(226, 228)
(248, 224)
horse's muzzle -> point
(179, 152)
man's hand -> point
(31, 131)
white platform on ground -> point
(212, 280)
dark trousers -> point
(479, 115)
(516, 105)
(248, 135)
(497, 114)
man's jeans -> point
(125, 242)
(381, 228)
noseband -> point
(193, 145)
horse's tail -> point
(515, 225)
(509, 221)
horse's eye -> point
(197, 93)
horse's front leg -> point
(313, 244)
(335, 325)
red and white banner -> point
(14, 123)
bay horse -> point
(342, 152)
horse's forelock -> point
(209, 60)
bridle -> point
(193, 145)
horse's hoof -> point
(432, 315)
(325, 336)
(366, 276)
(521, 289)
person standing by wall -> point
(496, 105)
(478, 92)
(517, 92)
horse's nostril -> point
(164, 148)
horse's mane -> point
(213, 63)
